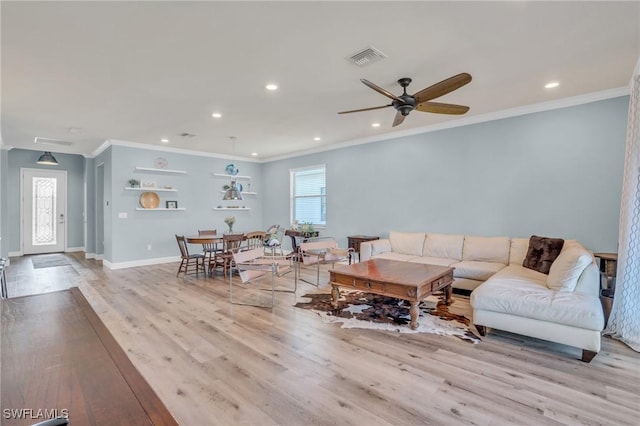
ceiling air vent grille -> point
(47, 141)
(366, 56)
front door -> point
(44, 203)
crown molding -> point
(116, 142)
(492, 116)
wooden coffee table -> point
(393, 278)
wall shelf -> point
(230, 176)
(161, 209)
(128, 188)
(155, 170)
(242, 192)
(231, 208)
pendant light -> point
(233, 193)
(48, 159)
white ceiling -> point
(142, 71)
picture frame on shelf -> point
(172, 204)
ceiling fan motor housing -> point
(407, 105)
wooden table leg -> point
(448, 290)
(414, 312)
(335, 295)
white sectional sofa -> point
(563, 306)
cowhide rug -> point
(364, 310)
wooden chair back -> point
(182, 245)
(232, 242)
(255, 239)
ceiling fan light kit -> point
(420, 101)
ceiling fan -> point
(421, 100)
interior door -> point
(44, 203)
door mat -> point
(364, 310)
(49, 260)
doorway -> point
(43, 210)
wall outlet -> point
(149, 247)
(122, 215)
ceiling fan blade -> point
(380, 90)
(364, 109)
(398, 120)
(439, 108)
(442, 88)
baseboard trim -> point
(141, 262)
(14, 253)
(89, 255)
(73, 249)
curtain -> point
(624, 322)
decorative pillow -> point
(567, 268)
(542, 252)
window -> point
(309, 195)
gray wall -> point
(90, 206)
(4, 167)
(554, 173)
(198, 191)
(74, 165)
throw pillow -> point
(566, 269)
(542, 252)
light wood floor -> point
(213, 363)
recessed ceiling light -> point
(216, 115)
(317, 138)
(255, 154)
(271, 86)
(165, 140)
(551, 85)
(375, 125)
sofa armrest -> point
(589, 281)
(372, 248)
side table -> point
(356, 240)
(608, 267)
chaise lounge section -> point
(561, 306)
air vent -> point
(187, 135)
(367, 56)
(47, 141)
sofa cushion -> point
(391, 255)
(438, 261)
(542, 252)
(566, 269)
(443, 246)
(523, 292)
(486, 249)
(476, 270)
(407, 242)
(518, 252)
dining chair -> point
(254, 240)
(187, 259)
(209, 249)
(320, 252)
(253, 266)
(230, 244)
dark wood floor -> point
(214, 363)
(58, 359)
